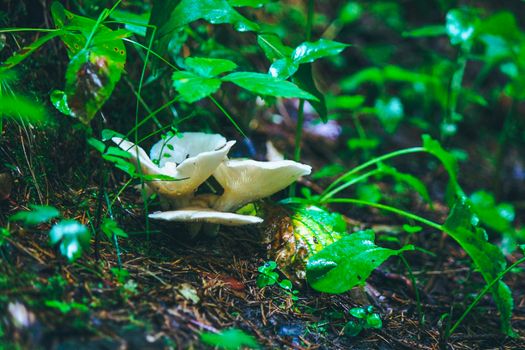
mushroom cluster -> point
(179, 164)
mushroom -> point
(189, 160)
(246, 181)
(197, 214)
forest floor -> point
(177, 289)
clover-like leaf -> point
(38, 214)
(230, 339)
(72, 236)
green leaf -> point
(209, 67)
(305, 80)
(427, 31)
(213, 11)
(358, 312)
(498, 217)
(19, 107)
(350, 12)
(283, 68)
(273, 47)
(460, 25)
(93, 71)
(347, 262)
(38, 214)
(230, 339)
(374, 321)
(110, 229)
(352, 328)
(308, 52)
(26, 51)
(449, 162)
(72, 236)
(59, 100)
(461, 225)
(265, 84)
(136, 23)
(390, 113)
(250, 3)
(193, 87)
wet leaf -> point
(264, 84)
(213, 11)
(72, 237)
(347, 262)
(273, 47)
(59, 100)
(250, 3)
(38, 214)
(374, 321)
(308, 52)
(283, 68)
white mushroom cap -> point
(195, 214)
(190, 172)
(245, 181)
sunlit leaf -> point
(38, 214)
(273, 47)
(347, 262)
(264, 84)
(283, 68)
(72, 237)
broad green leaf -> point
(72, 236)
(460, 25)
(350, 12)
(93, 71)
(264, 84)
(308, 52)
(110, 229)
(59, 100)
(347, 262)
(213, 11)
(435, 30)
(193, 87)
(502, 24)
(283, 68)
(38, 214)
(449, 162)
(273, 47)
(26, 51)
(209, 67)
(230, 339)
(369, 192)
(374, 321)
(250, 3)
(461, 225)
(19, 107)
(305, 80)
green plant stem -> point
(14, 30)
(481, 294)
(300, 111)
(416, 291)
(349, 183)
(365, 165)
(225, 112)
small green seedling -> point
(268, 277)
(365, 318)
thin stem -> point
(370, 163)
(223, 110)
(481, 294)
(348, 184)
(416, 291)
(14, 30)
